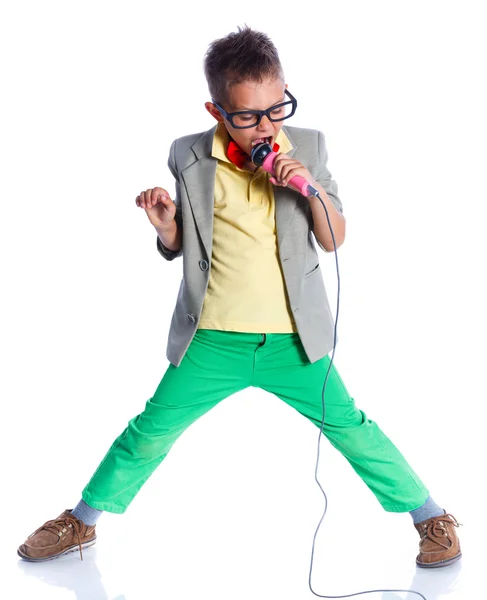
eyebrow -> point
(282, 99)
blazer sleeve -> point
(325, 179)
(163, 251)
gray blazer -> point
(194, 168)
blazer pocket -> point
(313, 270)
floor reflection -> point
(432, 583)
(85, 580)
(79, 576)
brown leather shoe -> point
(439, 545)
(59, 536)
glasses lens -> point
(282, 112)
(245, 120)
(250, 120)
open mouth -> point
(266, 140)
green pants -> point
(220, 363)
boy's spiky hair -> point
(247, 55)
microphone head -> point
(259, 152)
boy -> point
(252, 308)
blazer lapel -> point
(199, 180)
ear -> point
(214, 112)
(286, 86)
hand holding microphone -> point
(263, 156)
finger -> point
(167, 201)
(158, 193)
(147, 196)
(282, 163)
(286, 176)
(143, 200)
(151, 197)
(278, 164)
(289, 166)
(164, 201)
(290, 171)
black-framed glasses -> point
(242, 119)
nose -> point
(264, 124)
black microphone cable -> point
(258, 155)
(314, 192)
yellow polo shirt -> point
(246, 290)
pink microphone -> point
(263, 156)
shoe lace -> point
(435, 530)
(58, 525)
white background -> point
(93, 93)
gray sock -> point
(426, 511)
(86, 513)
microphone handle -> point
(300, 184)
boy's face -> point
(251, 95)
